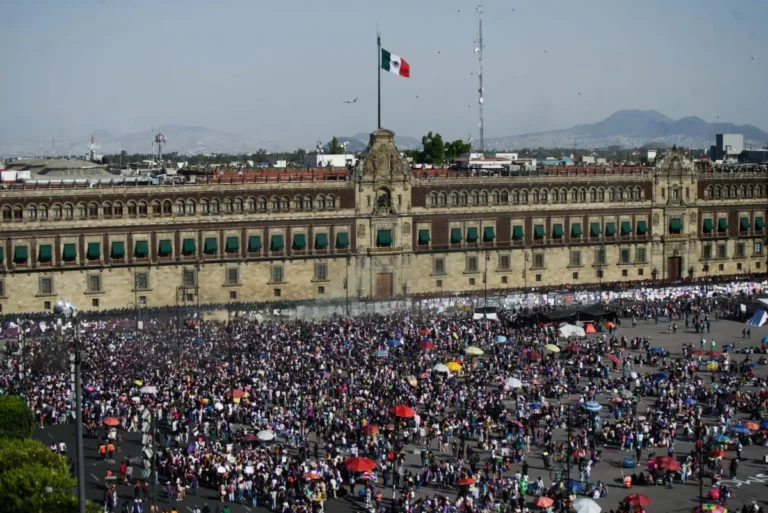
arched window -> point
(718, 192)
(504, 197)
(205, 206)
(106, 209)
(285, 204)
(593, 194)
(133, 209)
(495, 197)
(601, 194)
(759, 191)
(743, 191)
(563, 196)
(675, 193)
(475, 198)
(619, 194)
(638, 193)
(320, 202)
(535, 195)
(180, 207)
(227, 206)
(82, 211)
(454, 198)
(117, 209)
(263, 203)
(524, 197)
(484, 198)
(611, 194)
(708, 192)
(515, 197)
(442, 199)
(214, 206)
(463, 199)
(43, 212)
(7, 214)
(57, 211)
(734, 191)
(31, 212)
(307, 203)
(726, 192)
(582, 195)
(142, 208)
(296, 203)
(555, 196)
(750, 191)
(274, 203)
(156, 208)
(433, 199)
(543, 196)
(18, 213)
(574, 195)
(167, 208)
(191, 206)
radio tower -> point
(479, 52)
(159, 140)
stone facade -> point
(382, 230)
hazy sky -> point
(279, 70)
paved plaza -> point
(751, 483)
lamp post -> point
(152, 390)
(70, 311)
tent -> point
(590, 328)
(758, 319)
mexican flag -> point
(395, 64)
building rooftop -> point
(56, 169)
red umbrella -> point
(314, 476)
(573, 348)
(371, 429)
(667, 463)
(465, 482)
(238, 393)
(698, 352)
(636, 499)
(613, 358)
(359, 464)
(716, 453)
(534, 356)
(402, 411)
(715, 354)
(543, 502)
(111, 421)
(250, 437)
(424, 331)
(426, 345)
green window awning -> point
(517, 232)
(759, 223)
(576, 230)
(321, 241)
(276, 243)
(210, 246)
(44, 253)
(384, 237)
(164, 249)
(94, 251)
(188, 247)
(626, 228)
(488, 234)
(342, 240)
(708, 225)
(233, 244)
(744, 223)
(299, 241)
(538, 231)
(20, 254)
(722, 224)
(642, 228)
(472, 235)
(118, 250)
(254, 243)
(557, 230)
(424, 237)
(610, 229)
(595, 230)
(456, 236)
(69, 253)
(675, 225)
(2, 254)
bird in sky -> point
(351, 101)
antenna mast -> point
(480, 46)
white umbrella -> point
(586, 506)
(265, 435)
(441, 367)
(512, 383)
(148, 389)
(221, 470)
(248, 469)
(218, 406)
(569, 330)
(633, 375)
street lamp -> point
(152, 390)
(70, 311)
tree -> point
(16, 418)
(454, 149)
(334, 148)
(434, 149)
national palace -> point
(379, 230)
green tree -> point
(16, 418)
(334, 148)
(453, 150)
(433, 149)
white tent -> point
(569, 330)
(759, 318)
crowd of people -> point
(451, 411)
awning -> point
(759, 223)
(189, 247)
(456, 235)
(722, 224)
(118, 250)
(424, 237)
(321, 241)
(626, 228)
(557, 231)
(2, 254)
(594, 229)
(276, 243)
(744, 223)
(708, 225)
(44, 253)
(164, 249)
(610, 229)
(517, 232)
(299, 241)
(472, 235)
(642, 228)
(254, 243)
(20, 254)
(384, 237)
(538, 231)
(69, 253)
(94, 251)
(210, 246)
(576, 230)
(233, 244)
(488, 234)
(342, 240)
(675, 225)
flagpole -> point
(378, 53)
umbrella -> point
(633, 375)
(615, 400)
(221, 470)
(586, 506)
(574, 486)
(728, 346)
(250, 437)
(314, 476)
(610, 325)
(534, 406)
(765, 340)
(716, 453)
(395, 343)
(238, 393)
(592, 406)
(138, 382)
(552, 347)
(412, 381)
(667, 463)
(660, 376)
(111, 421)
(465, 482)
(424, 331)
(590, 329)
(752, 366)
(764, 424)
(359, 464)
(265, 435)
(636, 499)
(473, 351)
(626, 393)
(534, 356)
(752, 426)
(425, 344)
(543, 502)
(453, 366)
(371, 429)
(382, 353)
(512, 383)
(690, 401)
(569, 330)
(657, 350)
(136, 399)
(442, 368)
(402, 411)
(501, 338)
(218, 406)
(613, 358)
(710, 508)
(573, 349)
(721, 439)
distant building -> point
(552, 161)
(754, 156)
(315, 159)
(481, 161)
(510, 156)
(727, 146)
(601, 161)
(648, 156)
(586, 159)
